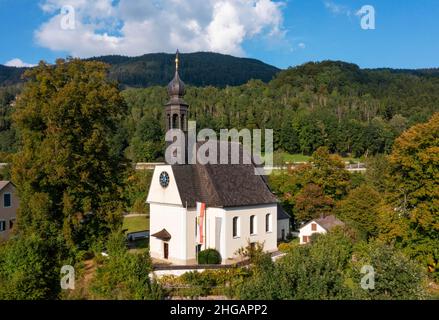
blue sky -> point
(282, 33)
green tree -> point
(330, 268)
(317, 271)
(30, 268)
(329, 172)
(124, 275)
(66, 176)
(377, 172)
(414, 189)
(312, 203)
(136, 190)
(396, 277)
(314, 272)
(360, 210)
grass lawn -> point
(134, 224)
(291, 158)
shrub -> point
(288, 246)
(124, 275)
(209, 256)
(29, 268)
(252, 252)
(396, 276)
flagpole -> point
(205, 228)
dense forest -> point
(334, 104)
(10, 75)
(198, 69)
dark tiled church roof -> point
(222, 185)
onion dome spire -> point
(176, 88)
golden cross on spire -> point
(177, 60)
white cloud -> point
(137, 27)
(301, 45)
(337, 8)
(18, 63)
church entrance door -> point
(166, 250)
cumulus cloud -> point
(18, 63)
(136, 27)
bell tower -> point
(177, 110)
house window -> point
(235, 227)
(268, 223)
(7, 201)
(253, 225)
(313, 227)
(2, 225)
(305, 239)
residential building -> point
(321, 225)
(8, 208)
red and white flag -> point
(201, 210)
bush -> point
(283, 247)
(251, 252)
(124, 275)
(221, 282)
(29, 268)
(396, 276)
(287, 246)
(209, 256)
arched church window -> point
(268, 223)
(183, 122)
(175, 121)
(253, 225)
(235, 227)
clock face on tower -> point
(164, 179)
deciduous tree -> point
(67, 178)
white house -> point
(198, 206)
(322, 225)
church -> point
(194, 207)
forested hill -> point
(10, 75)
(197, 69)
(350, 110)
(202, 69)
(430, 72)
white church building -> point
(221, 206)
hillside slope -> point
(198, 69)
